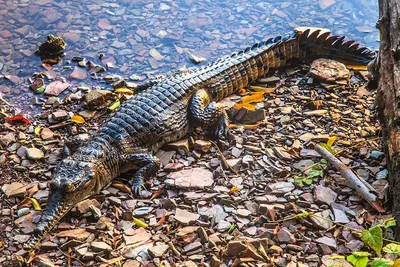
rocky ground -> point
(205, 207)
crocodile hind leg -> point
(209, 115)
(146, 165)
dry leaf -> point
(124, 91)
(244, 105)
(35, 204)
(77, 119)
(246, 126)
(253, 98)
(140, 223)
(233, 189)
(357, 67)
(162, 219)
(121, 187)
(157, 193)
(266, 90)
(114, 105)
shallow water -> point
(125, 32)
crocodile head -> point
(71, 182)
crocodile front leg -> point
(147, 166)
(209, 115)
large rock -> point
(196, 178)
(327, 70)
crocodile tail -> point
(319, 43)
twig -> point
(66, 255)
(355, 182)
(173, 248)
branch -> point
(362, 187)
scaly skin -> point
(166, 110)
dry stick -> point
(354, 181)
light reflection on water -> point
(125, 31)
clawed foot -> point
(220, 131)
(137, 187)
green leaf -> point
(302, 180)
(392, 248)
(40, 90)
(315, 174)
(373, 237)
(379, 262)
(390, 222)
(323, 161)
(330, 149)
(358, 259)
(336, 257)
(233, 226)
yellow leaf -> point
(77, 119)
(37, 130)
(124, 91)
(254, 97)
(357, 67)
(140, 223)
(266, 90)
(245, 105)
(331, 141)
(35, 204)
(233, 189)
(396, 263)
(114, 105)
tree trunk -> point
(386, 68)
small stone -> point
(324, 194)
(140, 212)
(100, 246)
(223, 226)
(236, 152)
(202, 145)
(96, 212)
(84, 205)
(330, 242)
(184, 217)
(248, 159)
(158, 251)
(321, 223)
(243, 212)
(46, 134)
(281, 153)
(78, 73)
(55, 88)
(115, 201)
(215, 262)
(284, 236)
(7, 139)
(34, 153)
(59, 115)
(197, 178)
(14, 189)
(318, 112)
(23, 211)
(275, 250)
(98, 99)
(43, 261)
(192, 246)
(281, 188)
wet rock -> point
(52, 46)
(56, 88)
(78, 73)
(158, 251)
(327, 70)
(34, 153)
(98, 99)
(38, 85)
(196, 178)
(324, 194)
(185, 217)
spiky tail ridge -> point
(231, 73)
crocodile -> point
(165, 110)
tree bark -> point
(386, 69)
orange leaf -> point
(157, 193)
(241, 91)
(162, 219)
(357, 67)
(121, 187)
(254, 97)
(77, 119)
(244, 105)
(246, 126)
(276, 230)
(233, 189)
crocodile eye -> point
(69, 187)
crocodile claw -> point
(220, 131)
(137, 186)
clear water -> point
(125, 31)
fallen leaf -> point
(121, 187)
(77, 119)
(253, 98)
(157, 193)
(357, 67)
(233, 189)
(37, 130)
(124, 91)
(246, 126)
(266, 90)
(244, 105)
(161, 220)
(140, 223)
(35, 204)
(114, 105)
(19, 118)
